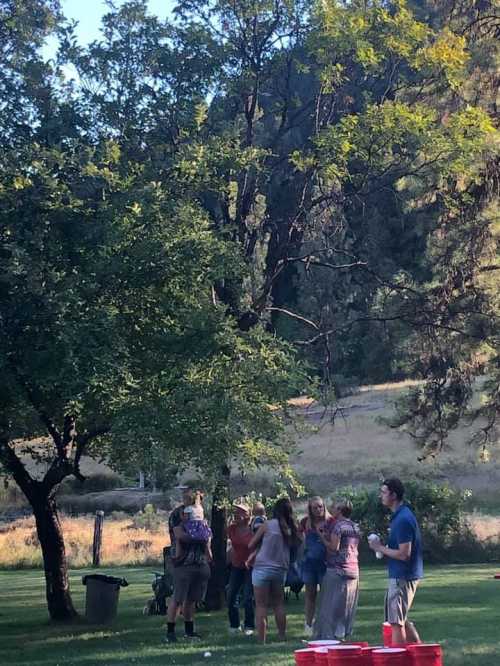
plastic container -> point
(367, 654)
(305, 657)
(321, 656)
(345, 655)
(375, 537)
(391, 657)
(101, 599)
(322, 643)
(361, 644)
(387, 634)
(426, 654)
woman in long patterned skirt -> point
(338, 599)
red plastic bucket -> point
(426, 654)
(367, 654)
(391, 657)
(386, 634)
(305, 657)
(321, 656)
(345, 655)
(322, 643)
(361, 644)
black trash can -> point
(101, 599)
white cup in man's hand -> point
(372, 538)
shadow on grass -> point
(457, 606)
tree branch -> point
(14, 465)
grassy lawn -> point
(456, 605)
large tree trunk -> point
(215, 599)
(50, 535)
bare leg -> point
(188, 610)
(278, 604)
(398, 634)
(261, 595)
(172, 611)
(310, 603)
(411, 633)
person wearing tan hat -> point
(240, 533)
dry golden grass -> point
(357, 447)
(123, 545)
(484, 527)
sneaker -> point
(308, 630)
(249, 632)
(234, 630)
(170, 638)
(193, 637)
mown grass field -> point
(456, 605)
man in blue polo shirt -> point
(405, 565)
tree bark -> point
(215, 599)
(59, 603)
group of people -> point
(324, 548)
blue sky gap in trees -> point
(88, 15)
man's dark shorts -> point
(190, 582)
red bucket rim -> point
(355, 649)
(304, 651)
(322, 643)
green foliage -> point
(281, 489)
(439, 509)
(148, 519)
(202, 179)
(93, 484)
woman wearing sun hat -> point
(240, 534)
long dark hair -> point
(283, 512)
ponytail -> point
(283, 512)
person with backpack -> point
(277, 538)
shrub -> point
(93, 484)
(149, 519)
(439, 509)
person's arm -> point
(404, 538)
(251, 559)
(402, 553)
(257, 537)
(330, 540)
(303, 526)
(208, 551)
